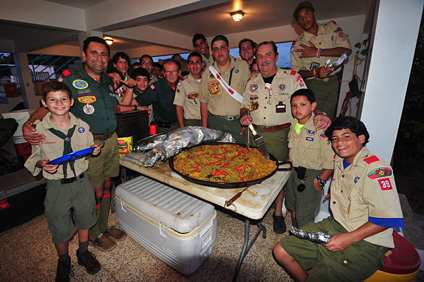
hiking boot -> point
(279, 224)
(89, 261)
(64, 270)
(103, 243)
(115, 233)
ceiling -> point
(210, 17)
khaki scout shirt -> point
(219, 102)
(207, 62)
(363, 191)
(52, 147)
(311, 148)
(187, 96)
(264, 101)
(330, 35)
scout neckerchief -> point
(227, 87)
(67, 148)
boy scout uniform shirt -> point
(264, 102)
(207, 62)
(311, 148)
(219, 102)
(52, 147)
(161, 96)
(329, 35)
(187, 96)
(94, 102)
(366, 191)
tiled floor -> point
(27, 254)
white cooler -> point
(177, 228)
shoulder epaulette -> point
(249, 79)
(66, 72)
(334, 22)
(371, 159)
(293, 72)
(294, 43)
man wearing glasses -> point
(161, 95)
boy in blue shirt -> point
(365, 207)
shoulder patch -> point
(293, 72)
(182, 79)
(334, 22)
(380, 172)
(371, 159)
(322, 135)
(152, 86)
(66, 72)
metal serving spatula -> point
(260, 143)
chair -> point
(402, 265)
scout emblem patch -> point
(253, 87)
(87, 99)
(322, 135)
(79, 84)
(237, 70)
(211, 75)
(239, 87)
(356, 179)
(253, 106)
(309, 139)
(311, 132)
(385, 184)
(152, 86)
(380, 172)
(282, 86)
(179, 83)
(314, 65)
(213, 87)
(88, 109)
(193, 96)
(81, 129)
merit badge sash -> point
(234, 94)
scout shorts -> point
(60, 198)
(355, 263)
(106, 164)
(304, 203)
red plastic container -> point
(23, 150)
(11, 90)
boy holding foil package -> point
(365, 207)
(312, 158)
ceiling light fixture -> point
(109, 41)
(237, 15)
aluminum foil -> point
(164, 146)
(317, 237)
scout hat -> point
(305, 4)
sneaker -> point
(103, 243)
(64, 270)
(115, 233)
(279, 224)
(89, 261)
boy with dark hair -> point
(200, 43)
(365, 207)
(312, 158)
(68, 186)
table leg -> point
(247, 245)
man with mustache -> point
(267, 99)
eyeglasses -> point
(172, 71)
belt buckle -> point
(230, 117)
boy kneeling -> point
(365, 206)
